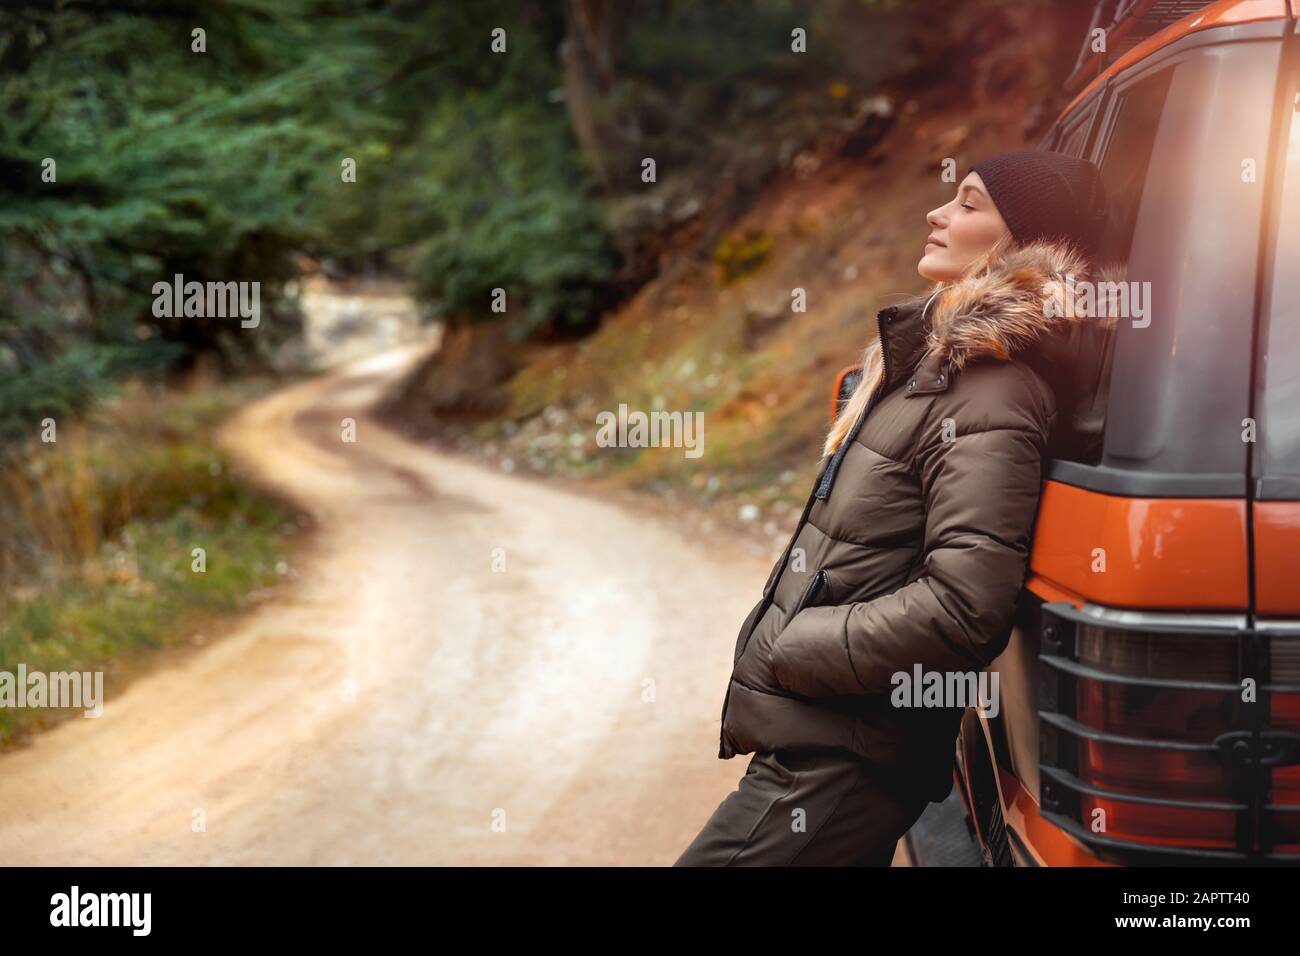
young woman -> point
(912, 549)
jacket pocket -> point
(814, 592)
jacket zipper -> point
(821, 490)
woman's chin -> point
(934, 270)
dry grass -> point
(96, 559)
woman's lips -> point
(931, 243)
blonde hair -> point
(873, 364)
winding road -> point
(402, 701)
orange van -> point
(1150, 691)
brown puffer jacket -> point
(916, 534)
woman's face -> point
(961, 231)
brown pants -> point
(805, 808)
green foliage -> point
(225, 165)
(483, 190)
(691, 73)
(165, 161)
(59, 387)
(514, 224)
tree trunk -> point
(592, 31)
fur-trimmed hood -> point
(1019, 304)
(1017, 311)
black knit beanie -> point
(1045, 195)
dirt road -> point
(403, 702)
